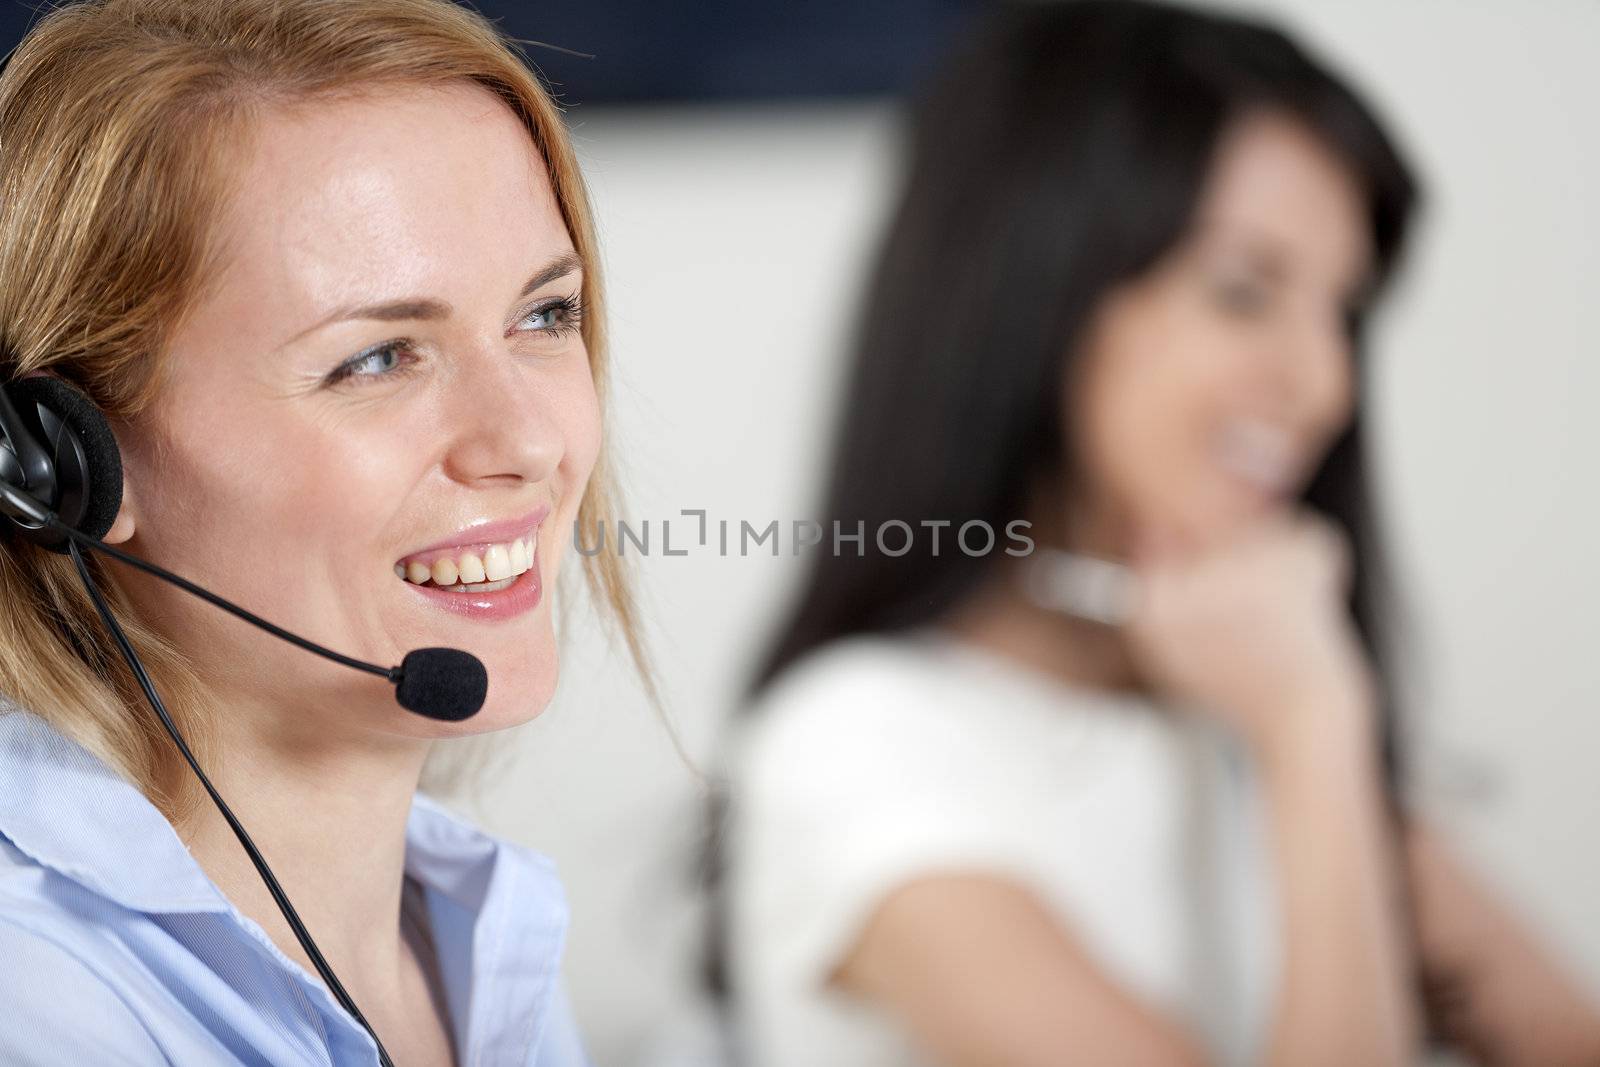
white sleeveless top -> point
(880, 759)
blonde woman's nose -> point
(499, 424)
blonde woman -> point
(326, 267)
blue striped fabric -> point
(115, 948)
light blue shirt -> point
(116, 949)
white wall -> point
(733, 240)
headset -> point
(61, 488)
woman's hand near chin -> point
(1256, 635)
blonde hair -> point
(115, 118)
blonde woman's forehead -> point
(357, 201)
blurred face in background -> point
(1210, 388)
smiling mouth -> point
(481, 568)
(1263, 456)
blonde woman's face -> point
(381, 393)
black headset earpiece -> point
(57, 446)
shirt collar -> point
(498, 913)
(67, 810)
(499, 918)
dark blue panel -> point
(660, 50)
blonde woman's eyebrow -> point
(427, 308)
(559, 267)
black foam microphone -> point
(441, 683)
(446, 684)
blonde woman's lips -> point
(486, 570)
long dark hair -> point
(1057, 157)
(1060, 156)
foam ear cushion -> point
(88, 463)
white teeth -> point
(479, 587)
(471, 568)
(497, 563)
(1259, 453)
(492, 570)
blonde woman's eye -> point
(386, 359)
(555, 318)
